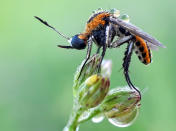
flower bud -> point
(90, 68)
(93, 91)
(121, 105)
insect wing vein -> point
(137, 31)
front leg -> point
(102, 56)
(87, 56)
(107, 34)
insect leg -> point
(126, 63)
(102, 56)
(104, 47)
(98, 50)
(120, 41)
(87, 56)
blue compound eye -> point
(78, 43)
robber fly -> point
(102, 28)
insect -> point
(107, 30)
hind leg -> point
(126, 64)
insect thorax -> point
(96, 27)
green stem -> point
(73, 121)
(93, 113)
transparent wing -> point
(137, 31)
(152, 46)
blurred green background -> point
(36, 76)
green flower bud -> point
(90, 68)
(93, 91)
(120, 101)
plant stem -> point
(73, 120)
(93, 113)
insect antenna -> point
(45, 23)
(66, 47)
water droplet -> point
(65, 129)
(125, 18)
(98, 118)
(77, 129)
(93, 11)
(84, 115)
(126, 119)
(100, 9)
(106, 68)
(115, 12)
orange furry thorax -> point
(94, 24)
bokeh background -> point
(36, 76)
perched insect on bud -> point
(106, 29)
(93, 91)
(121, 106)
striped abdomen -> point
(142, 50)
